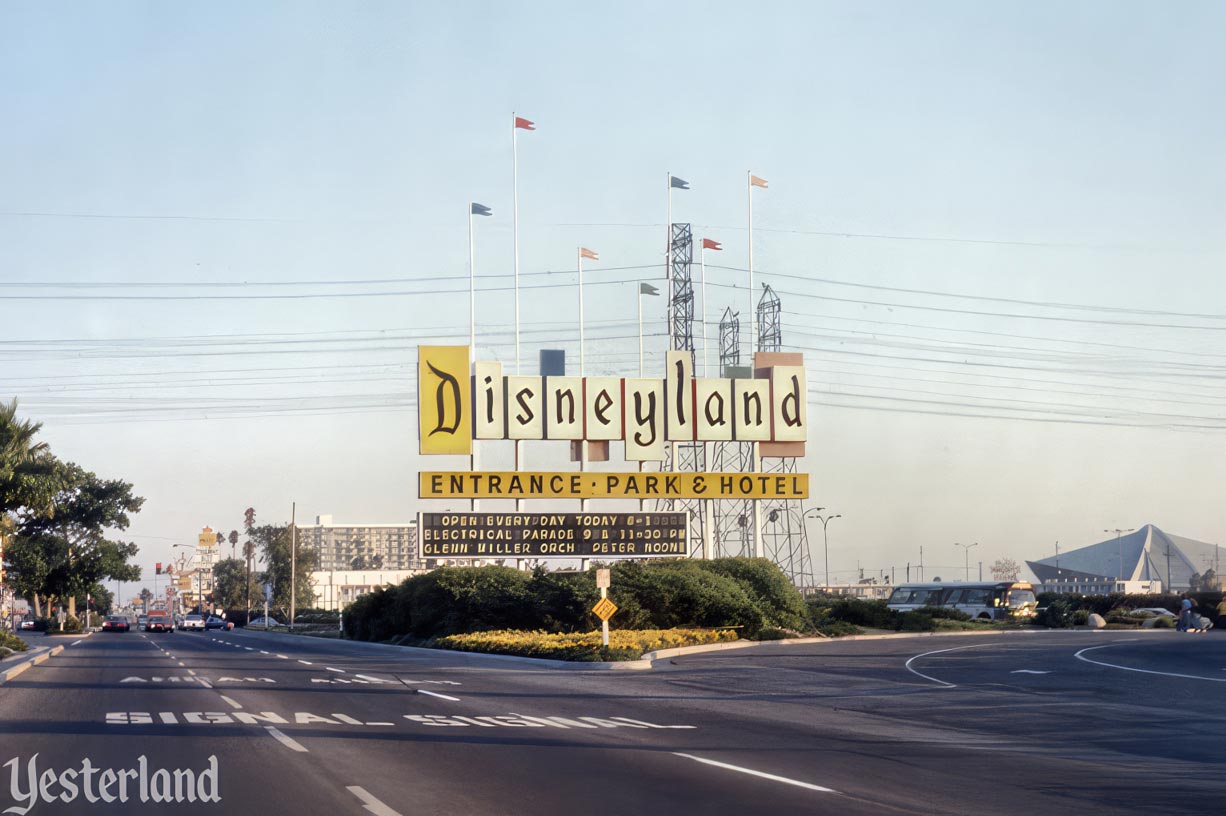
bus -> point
(993, 600)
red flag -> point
(589, 254)
(757, 182)
(707, 243)
(524, 124)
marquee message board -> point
(553, 535)
(465, 484)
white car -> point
(1153, 611)
(262, 622)
(192, 622)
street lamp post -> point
(967, 553)
(1120, 547)
(825, 539)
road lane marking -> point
(248, 648)
(283, 657)
(1079, 656)
(288, 742)
(370, 679)
(907, 665)
(192, 673)
(306, 662)
(436, 694)
(1028, 671)
(370, 803)
(263, 652)
(759, 774)
(75, 642)
(338, 671)
(233, 703)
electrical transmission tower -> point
(683, 456)
(785, 539)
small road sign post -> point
(604, 608)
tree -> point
(274, 541)
(230, 583)
(146, 596)
(17, 445)
(1006, 569)
(64, 553)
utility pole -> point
(1168, 567)
(293, 559)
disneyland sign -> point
(456, 407)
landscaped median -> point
(583, 646)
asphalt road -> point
(1049, 723)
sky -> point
(994, 229)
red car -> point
(115, 623)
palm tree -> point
(17, 445)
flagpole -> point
(753, 347)
(753, 333)
(668, 258)
(472, 288)
(640, 297)
(579, 253)
(519, 503)
(515, 227)
(473, 461)
(706, 351)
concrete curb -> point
(37, 655)
(647, 661)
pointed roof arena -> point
(1141, 555)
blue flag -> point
(481, 209)
(680, 184)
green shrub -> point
(670, 594)
(775, 633)
(835, 629)
(772, 592)
(916, 621)
(1163, 622)
(942, 613)
(869, 614)
(1058, 614)
(1081, 617)
(71, 626)
(11, 642)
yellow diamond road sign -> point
(604, 609)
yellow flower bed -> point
(584, 646)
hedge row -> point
(825, 613)
(748, 594)
(582, 646)
(1062, 611)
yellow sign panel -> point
(573, 485)
(444, 400)
(604, 609)
(206, 538)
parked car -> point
(214, 622)
(192, 623)
(115, 623)
(1150, 611)
(29, 624)
(262, 622)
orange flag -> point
(757, 182)
(589, 254)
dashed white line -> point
(283, 657)
(759, 774)
(288, 742)
(75, 642)
(436, 694)
(248, 648)
(263, 652)
(306, 662)
(192, 673)
(370, 803)
(233, 703)
(338, 671)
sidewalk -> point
(19, 662)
